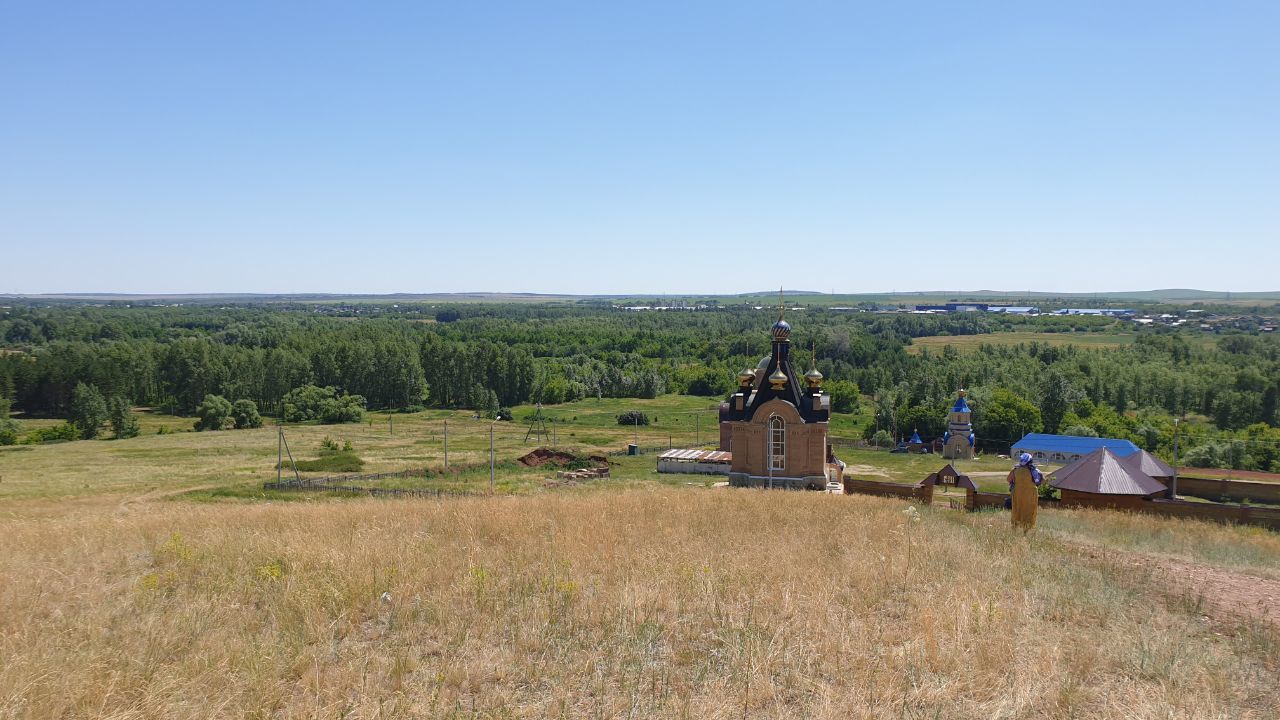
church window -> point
(777, 443)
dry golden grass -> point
(649, 603)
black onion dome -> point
(781, 330)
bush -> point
(214, 414)
(333, 458)
(322, 404)
(9, 430)
(882, 438)
(57, 433)
(633, 418)
(245, 414)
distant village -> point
(1191, 318)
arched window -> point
(777, 443)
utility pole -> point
(697, 425)
(446, 444)
(491, 464)
(1173, 490)
(391, 425)
(636, 420)
(279, 451)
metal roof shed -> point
(1067, 448)
(1148, 464)
(1102, 472)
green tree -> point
(1057, 396)
(1080, 431)
(245, 414)
(214, 413)
(9, 428)
(88, 410)
(123, 422)
(844, 395)
(1006, 416)
(322, 404)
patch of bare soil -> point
(543, 456)
(1224, 592)
(866, 470)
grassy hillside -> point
(651, 603)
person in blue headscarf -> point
(1023, 481)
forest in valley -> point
(328, 363)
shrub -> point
(245, 413)
(633, 417)
(9, 430)
(57, 433)
(882, 438)
(322, 404)
(214, 414)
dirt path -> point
(1225, 593)
(159, 494)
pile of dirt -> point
(561, 458)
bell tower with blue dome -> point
(958, 440)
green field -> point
(970, 343)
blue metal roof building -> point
(1069, 448)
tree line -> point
(489, 356)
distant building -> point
(1108, 312)
(953, 307)
(1014, 310)
(776, 430)
(1069, 448)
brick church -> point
(776, 429)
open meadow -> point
(152, 577)
(650, 602)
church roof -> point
(1104, 473)
(915, 438)
(1146, 463)
(960, 406)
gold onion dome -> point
(814, 377)
(745, 376)
(781, 330)
(778, 379)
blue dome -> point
(781, 330)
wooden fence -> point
(1237, 490)
(922, 492)
(1243, 514)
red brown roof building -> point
(1103, 479)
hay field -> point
(645, 603)
(971, 343)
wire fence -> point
(345, 484)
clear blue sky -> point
(603, 147)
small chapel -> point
(775, 429)
(957, 441)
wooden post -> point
(446, 444)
